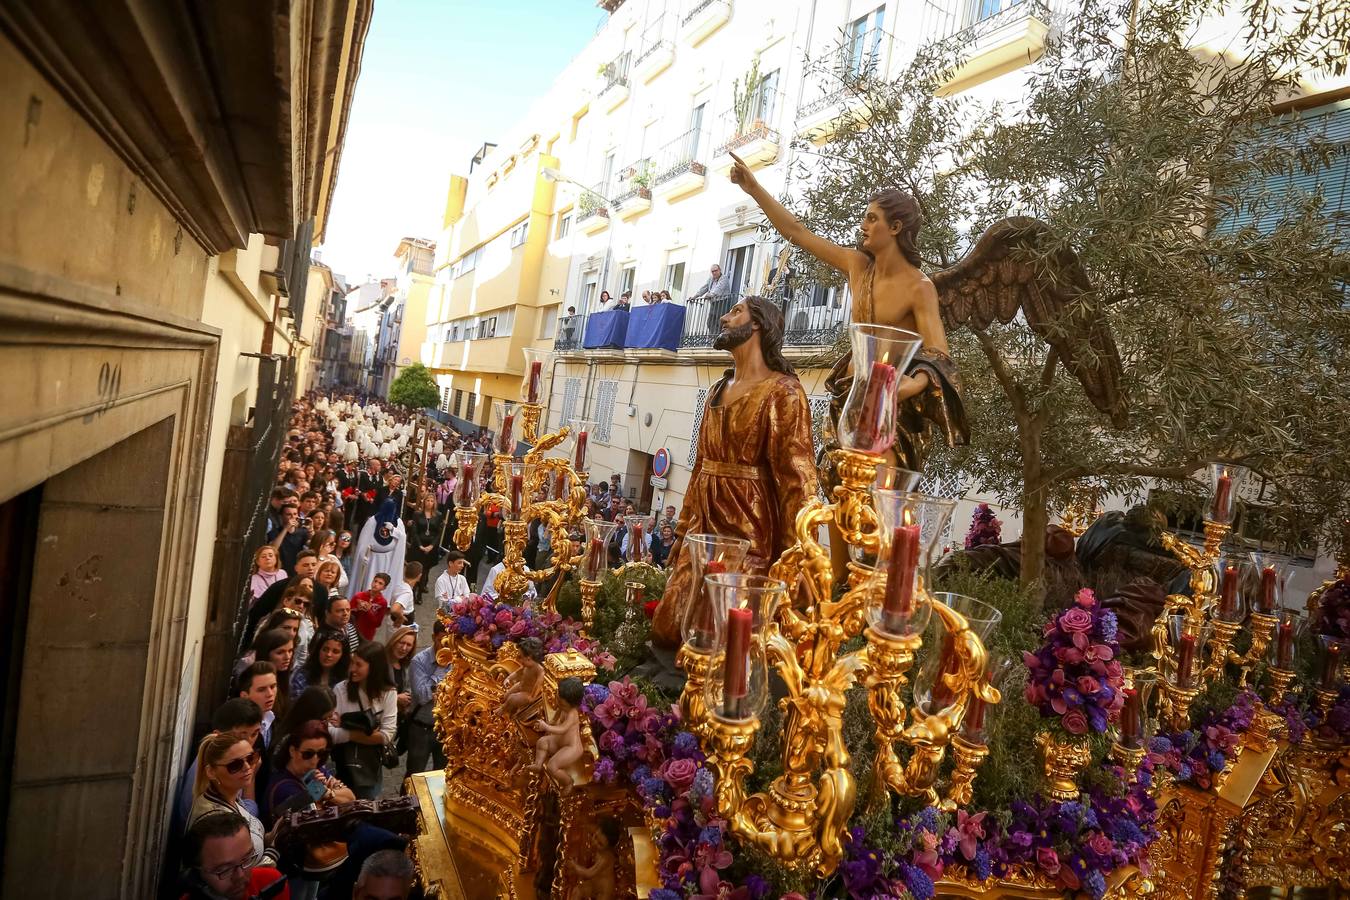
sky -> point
(438, 78)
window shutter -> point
(604, 409)
(698, 423)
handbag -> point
(359, 764)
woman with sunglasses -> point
(344, 551)
(305, 753)
(226, 764)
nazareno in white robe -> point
(372, 557)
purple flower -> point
(1047, 860)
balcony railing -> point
(753, 120)
(812, 317)
(615, 72)
(569, 332)
(967, 23)
(655, 39)
(701, 320)
(829, 75)
(684, 154)
(591, 203)
(635, 179)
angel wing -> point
(1007, 270)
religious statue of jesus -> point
(888, 289)
(754, 468)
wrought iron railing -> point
(754, 120)
(637, 180)
(701, 319)
(698, 7)
(569, 332)
(592, 202)
(684, 154)
(654, 37)
(615, 72)
(954, 26)
(814, 316)
(830, 74)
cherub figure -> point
(560, 745)
(596, 881)
(522, 685)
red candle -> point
(1331, 666)
(1228, 592)
(504, 445)
(580, 462)
(560, 486)
(536, 375)
(868, 432)
(595, 562)
(1269, 581)
(705, 625)
(735, 677)
(635, 542)
(1223, 493)
(1284, 645)
(897, 604)
(1185, 659)
(1129, 718)
(466, 485)
(517, 495)
(947, 662)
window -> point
(468, 413)
(627, 278)
(468, 262)
(674, 281)
(738, 268)
(459, 402)
(604, 409)
(606, 173)
(571, 394)
(564, 225)
(863, 44)
(445, 399)
(696, 127)
(766, 96)
(548, 323)
(588, 295)
(518, 233)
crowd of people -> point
(336, 682)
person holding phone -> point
(305, 782)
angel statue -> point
(991, 282)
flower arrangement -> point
(1198, 755)
(492, 623)
(1075, 677)
(1334, 610)
(1075, 844)
(985, 528)
(1302, 719)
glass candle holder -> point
(1331, 659)
(468, 469)
(1136, 725)
(533, 383)
(738, 685)
(579, 443)
(709, 554)
(1188, 640)
(975, 725)
(932, 694)
(506, 423)
(1266, 583)
(1225, 479)
(558, 486)
(894, 478)
(880, 356)
(516, 485)
(1282, 651)
(595, 550)
(1228, 575)
(911, 525)
(635, 547)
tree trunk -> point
(1035, 518)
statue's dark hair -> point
(769, 318)
(902, 209)
(571, 690)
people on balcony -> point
(717, 287)
(625, 301)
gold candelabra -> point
(802, 817)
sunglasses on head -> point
(236, 766)
(307, 755)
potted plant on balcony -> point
(743, 106)
(592, 204)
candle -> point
(504, 445)
(1284, 645)
(517, 495)
(466, 485)
(1129, 718)
(705, 625)
(1269, 581)
(595, 559)
(560, 486)
(1185, 659)
(1228, 593)
(580, 462)
(735, 680)
(1223, 497)
(635, 542)
(536, 375)
(1331, 666)
(897, 604)
(947, 662)
(868, 431)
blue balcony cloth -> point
(655, 327)
(606, 329)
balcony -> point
(705, 17)
(813, 317)
(747, 132)
(592, 212)
(834, 82)
(677, 168)
(1006, 35)
(637, 198)
(569, 333)
(614, 83)
(657, 51)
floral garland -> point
(1075, 677)
(493, 623)
(1304, 720)
(985, 528)
(1334, 610)
(1197, 755)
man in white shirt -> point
(402, 598)
(714, 290)
(490, 584)
(452, 585)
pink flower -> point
(1085, 598)
(678, 773)
(971, 829)
(1076, 620)
(1048, 860)
(1088, 685)
(1074, 722)
(1100, 843)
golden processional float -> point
(807, 634)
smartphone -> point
(313, 785)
